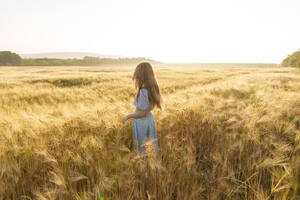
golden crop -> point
(224, 133)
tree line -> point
(8, 58)
(292, 60)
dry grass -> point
(224, 133)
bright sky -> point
(165, 30)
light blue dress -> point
(144, 129)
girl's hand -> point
(125, 119)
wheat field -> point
(225, 132)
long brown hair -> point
(144, 75)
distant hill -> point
(66, 55)
(8, 58)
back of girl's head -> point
(144, 75)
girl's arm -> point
(142, 113)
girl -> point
(147, 98)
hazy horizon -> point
(169, 31)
